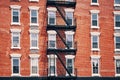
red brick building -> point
(61, 38)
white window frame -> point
(37, 10)
(33, 0)
(34, 32)
(52, 57)
(72, 34)
(15, 56)
(96, 4)
(98, 35)
(116, 4)
(15, 8)
(97, 13)
(116, 35)
(95, 57)
(70, 57)
(69, 10)
(51, 32)
(12, 35)
(116, 58)
(116, 13)
(51, 9)
(34, 56)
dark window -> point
(118, 66)
(15, 15)
(95, 66)
(94, 20)
(117, 1)
(117, 21)
(95, 42)
(33, 16)
(70, 65)
(94, 1)
(15, 65)
(117, 42)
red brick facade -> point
(82, 36)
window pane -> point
(15, 65)
(69, 17)
(94, 19)
(94, 1)
(95, 42)
(95, 66)
(117, 66)
(15, 16)
(69, 40)
(117, 1)
(51, 21)
(15, 41)
(34, 20)
(33, 13)
(52, 69)
(51, 17)
(52, 44)
(34, 69)
(117, 21)
(117, 42)
(70, 65)
(15, 19)
(34, 39)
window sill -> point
(97, 75)
(32, 24)
(15, 23)
(117, 28)
(94, 4)
(15, 47)
(95, 49)
(117, 50)
(34, 75)
(117, 75)
(15, 74)
(33, 0)
(115, 5)
(34, 48)
(95, 27)
(71, 74)
(52, 74)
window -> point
(34, 39)
(70, 64)
(117, 43)
(118, 66)
(51, 15)
(69, 17)
(51, 18)
(34, 67)
(34, 15)
(69, 39)
(95, 65)
(15, 60)
(117, 21)
(95, 40)
(51, 39)
(94, 18)
(15, 39)
(94, 2)
(117, 2)
(15, 14)
(52, 65)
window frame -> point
(93, 58)
(15, 8)
(37, 17)
(95, 3)
(15, 56)
(66, 15)
(97, 34)
(49, 64)
(51, 32)
(13, 31)
(52, 17)
(116, 35)
(116, 4)
(35, 32)
(115, 21)
(70, 57)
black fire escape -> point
(60, 5)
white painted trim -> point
(95, 33)
(94, 4)
(51, 32)
(15, 6)
(96, 75)
(117, 75)
(34, 8)
(95, 11)
(69, 10)
(95, 56)
(116, 57)
(51, 9)
(52, 56)
(15, 30)
(15, 55)
(69, 32)
(69, 56)
(34, 0)
(116, 12)
(34, 55)
(116, 34)
(115, 5)
(34, 31)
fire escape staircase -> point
(67, 27)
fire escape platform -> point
(61, 3)
(61, 27)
